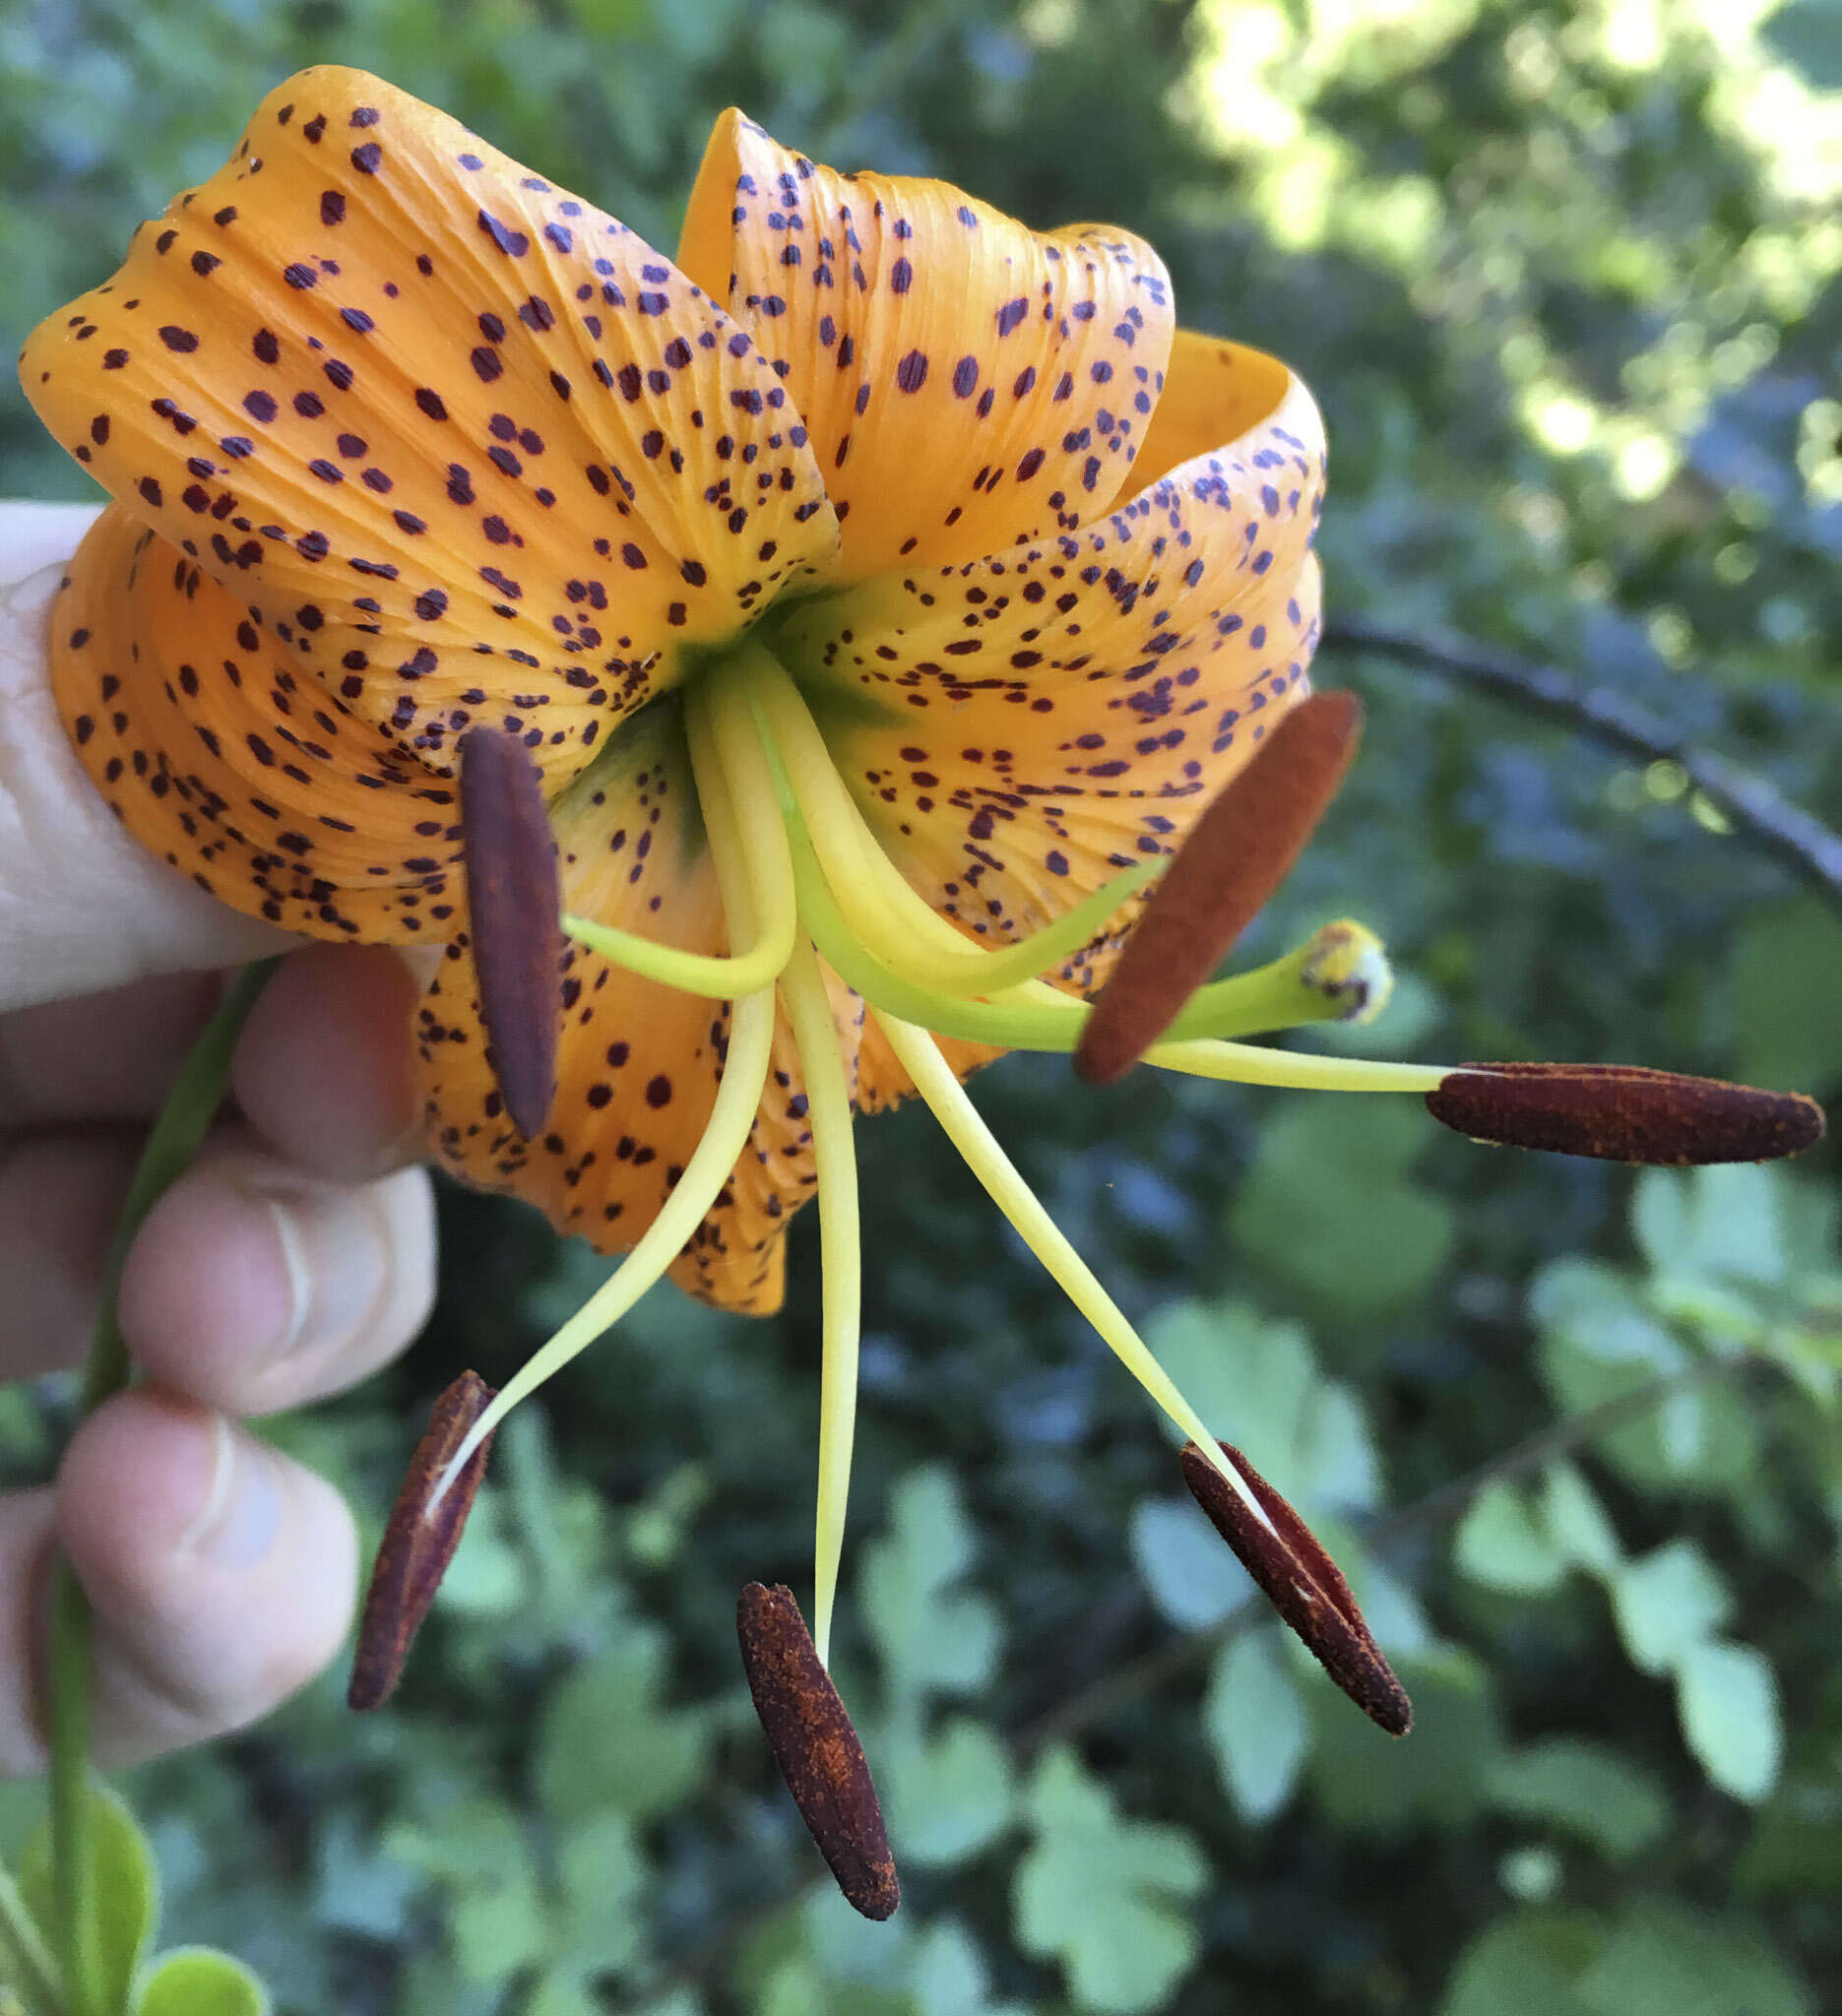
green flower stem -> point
(190, 1106)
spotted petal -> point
(226, 757)
(1020, 727)
(638, 1063)
(475, 449)
(968, 383)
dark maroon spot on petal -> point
(511, 241)
(1239, 851)
(418, 1543)
(1624, 1112)
(816, 1748)
(515, 904)
(176, 338)
(1302, 1582)
(431, 403)
(332, 207)
(911, 371)
(299, 276)
(366, 157)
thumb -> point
(81, 907)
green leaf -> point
(1332, 1207)
(1365, 1782)
(1667, 1601)
(602, 1924)
(1257, 1724)
(1259, 1383)
(198, 1980)
(1713, 1223)
(1787, 967)
(948, 1798)
(480, 1853)
(124, 1893)
(1501, 1544)
(1104, 1894)
(1586, 1787)
(933, 1639)
(1525, 1965)
(1665, 1960)
(1194, 1578)
(604, 1740)
(558, 1994)
(1579, 1529)
(1727, 1696)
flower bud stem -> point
(195, 1097)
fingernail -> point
(242, 1510)
(337, 1263)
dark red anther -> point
(514, 908)
(1239, 851)
(816, 1747)
(1302, 1583)
(1624, 1112)
(418, 1543)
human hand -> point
(297, 1258)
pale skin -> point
(296, 1258)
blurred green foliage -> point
(1565, 278)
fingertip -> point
(325, 1066)
(253, 1287)
(223, 1572)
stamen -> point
(713, 1161)
(418, 1543)
(1240, 850)
(816, 1748)
(1302, 1583)
(833, 1147)
(1624, 1113)
(933, 1079)
(514, 898)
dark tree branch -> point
(1756, 807)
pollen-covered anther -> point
(1345, 962)
(514, 908)
(1302, 1583)
(1240, 850)
(1624, 1113)
(418, 1543)
(816, 1747)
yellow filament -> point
(833, 1147)
(884, 914)
(763, 842)
(934, 1081)
(714, 1159)
(1297, 1070)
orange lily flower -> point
(880, 594)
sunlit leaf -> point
(1104, 1894)
(1728, 1698)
